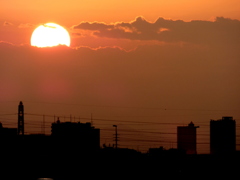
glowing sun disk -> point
(50, 34)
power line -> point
(143, 136)
(131, 107)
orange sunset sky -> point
(147, 66)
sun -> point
(50, 34)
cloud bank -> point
(222, 30)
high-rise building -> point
(187, 139)
(223, 135)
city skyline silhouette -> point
(138, 71)
(71, 142)
(186, 137)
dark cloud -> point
(93, 26)
(222, 30)
(7, 23)
(26, 25)
(76, 34)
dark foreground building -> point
(76, 136)
(223, 135)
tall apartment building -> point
(223, 135)
(187, 138)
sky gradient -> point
(149, 65)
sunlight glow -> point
(50, 34)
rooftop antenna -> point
(43, 124)
(91, 120)
(58, 121)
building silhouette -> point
(7, 132)
(223, 135)
(186, 138)
(75, 135)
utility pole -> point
(91, 120)
(116, 136)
